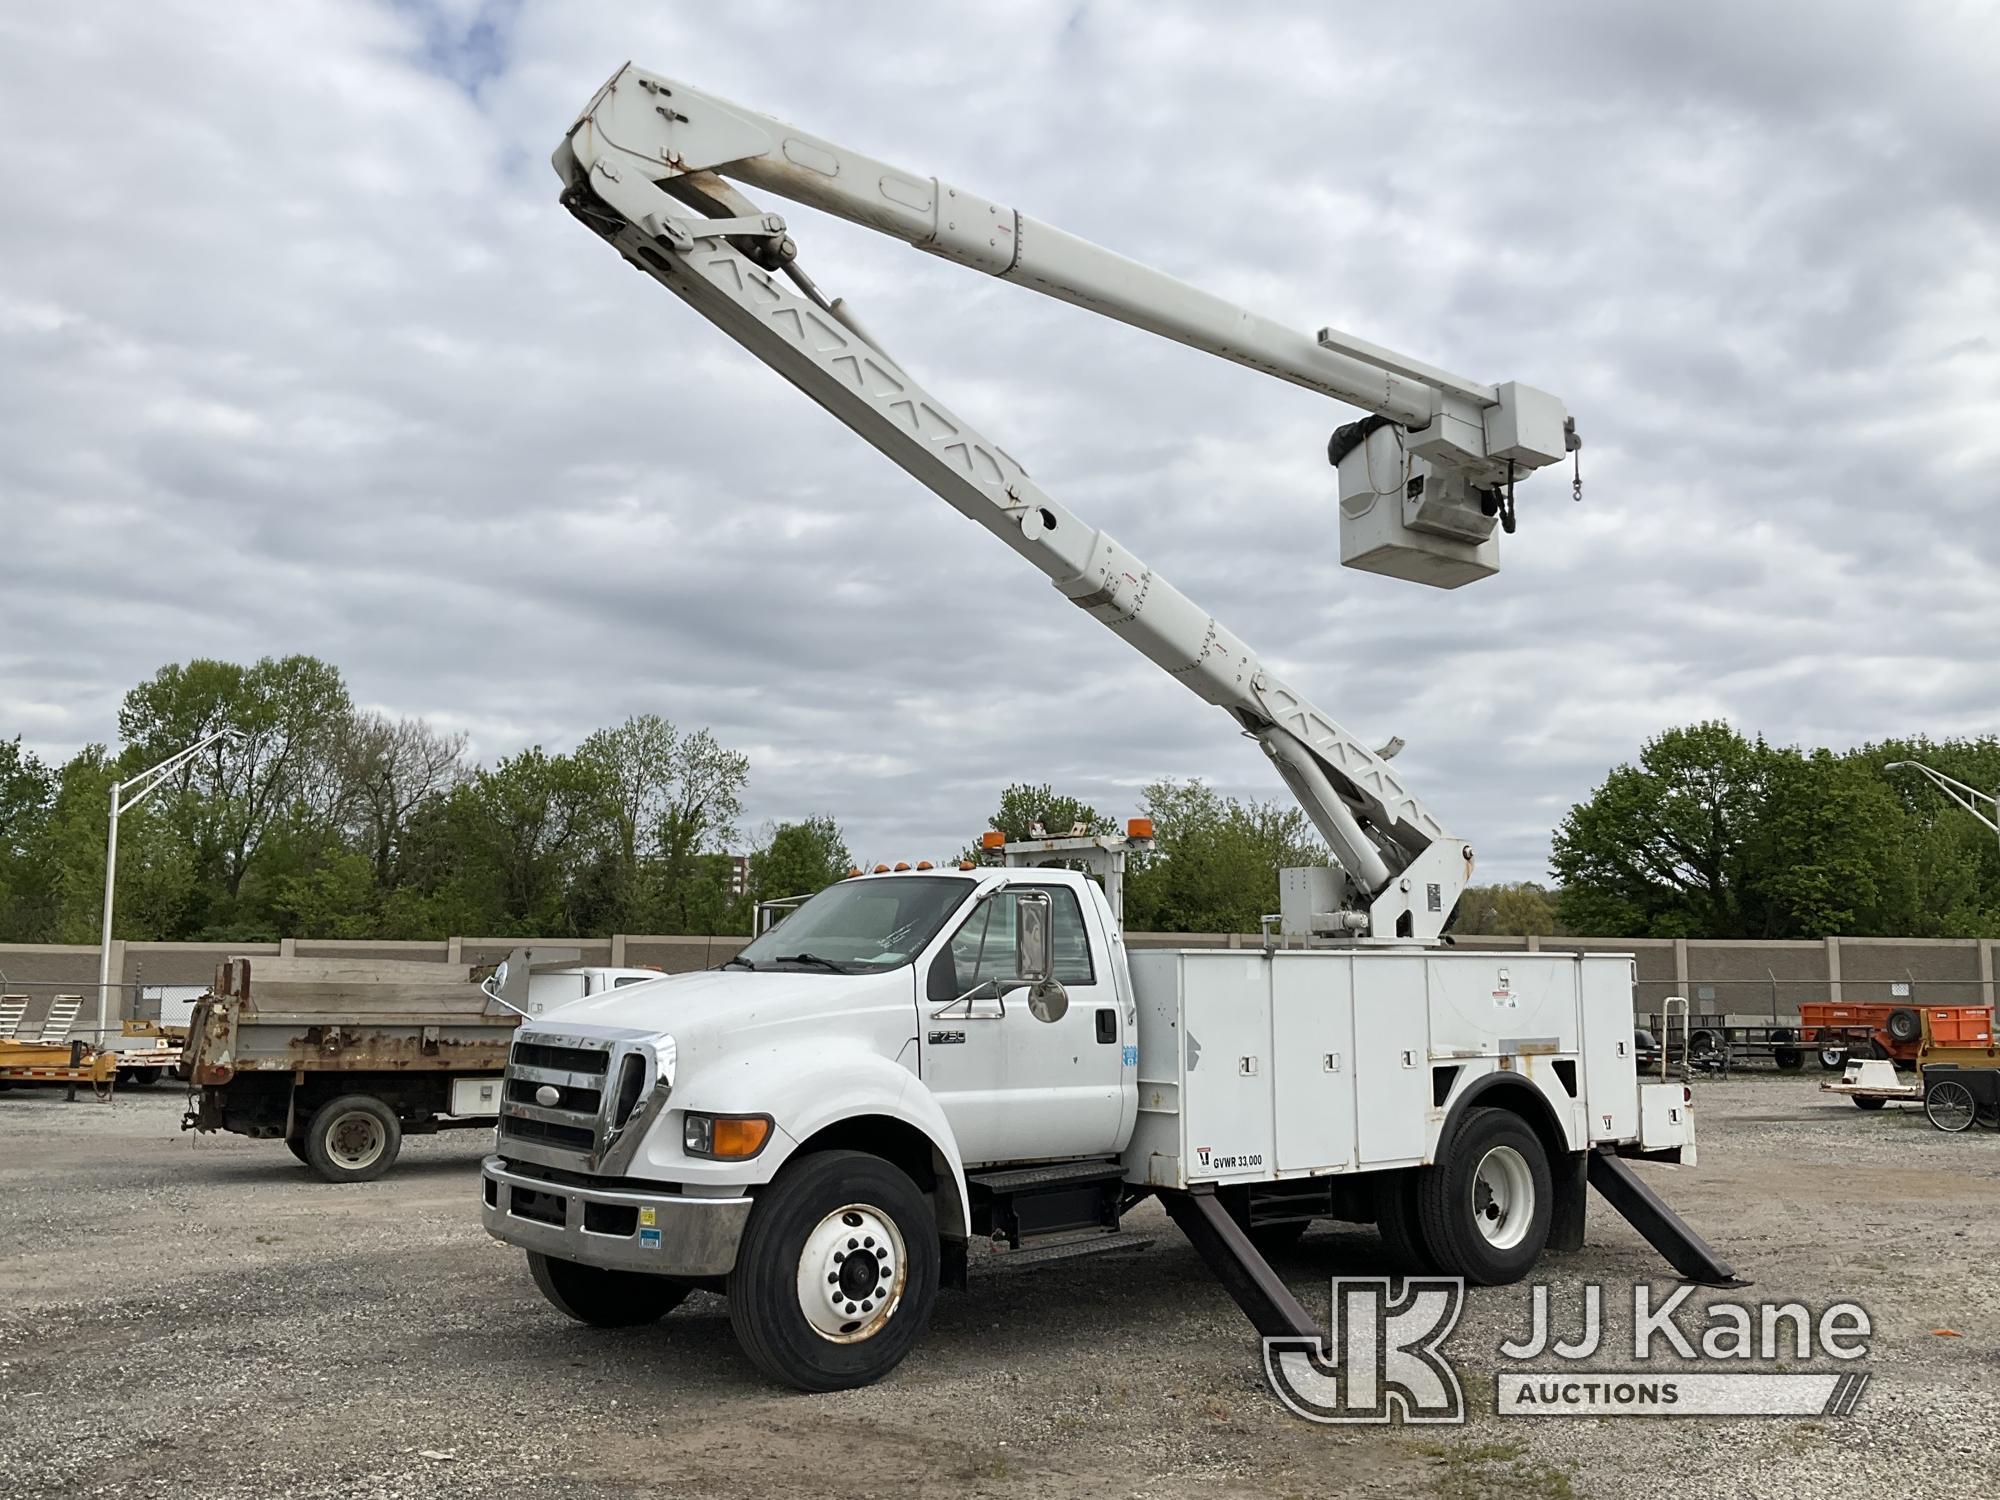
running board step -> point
(1665, 1230)
(1080, 1248)
(1010, 1181)
(1017, 1203)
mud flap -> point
(1269, 1304)
(1572, 1198)
(1665, 1230)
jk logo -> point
(1382, 1361)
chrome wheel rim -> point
(356, 1140)
(1503, 1197)
(851, 1274)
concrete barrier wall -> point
(1748, 981)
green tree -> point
(1023, 805)
(289, 712)
(385, 771)
(27, 794)
(517, 834)
(1215, 862)
(698, 819)
(1522, 909)
(637, 763)
(1658, 850)
(799, 859)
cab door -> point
(1017, 1082)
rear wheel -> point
(1788, 1057)
(354, 1138)
(1949, 1106)
(1485, 1209)
(1402, 1231)
(1861, 1101)
(605, 1298)
(837, 1272)
(140, 1078)
(1832, 1051)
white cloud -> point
(301, 354)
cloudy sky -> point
(298, 353)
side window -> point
(984, 947)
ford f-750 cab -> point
(819, 1127)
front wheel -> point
(836, 1274)
(354, 1138)
(1485, 1209)
(605, 1298)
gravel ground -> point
(199, 1316)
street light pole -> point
(140, 787)
(1967, 797)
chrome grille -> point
(570, 1096)
(575, 1068)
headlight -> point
(724, 1137)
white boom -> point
(647, 150)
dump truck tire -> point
(354, 1138)
(836, 1273)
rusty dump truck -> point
(341, 1058)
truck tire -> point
(836, 1273)
(1903, 1025)
(1402, 1228)
(605, 1298)
(354, 1138)
(1485, 1209)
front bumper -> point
(668, 1234)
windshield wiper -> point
(814, 958)
(739, 959)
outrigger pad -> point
(1665, 1230)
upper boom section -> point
(1419, 502)
(1418, 477)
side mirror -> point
(1034, 941)
(1034, 955)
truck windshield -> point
(860, 926)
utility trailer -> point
(1895, 1031)
(1709, 1045)
(341, 1059)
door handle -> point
(1107, 1025)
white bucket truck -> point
(914, 1058)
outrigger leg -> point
(1220, 1241)
(1665, 1230)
